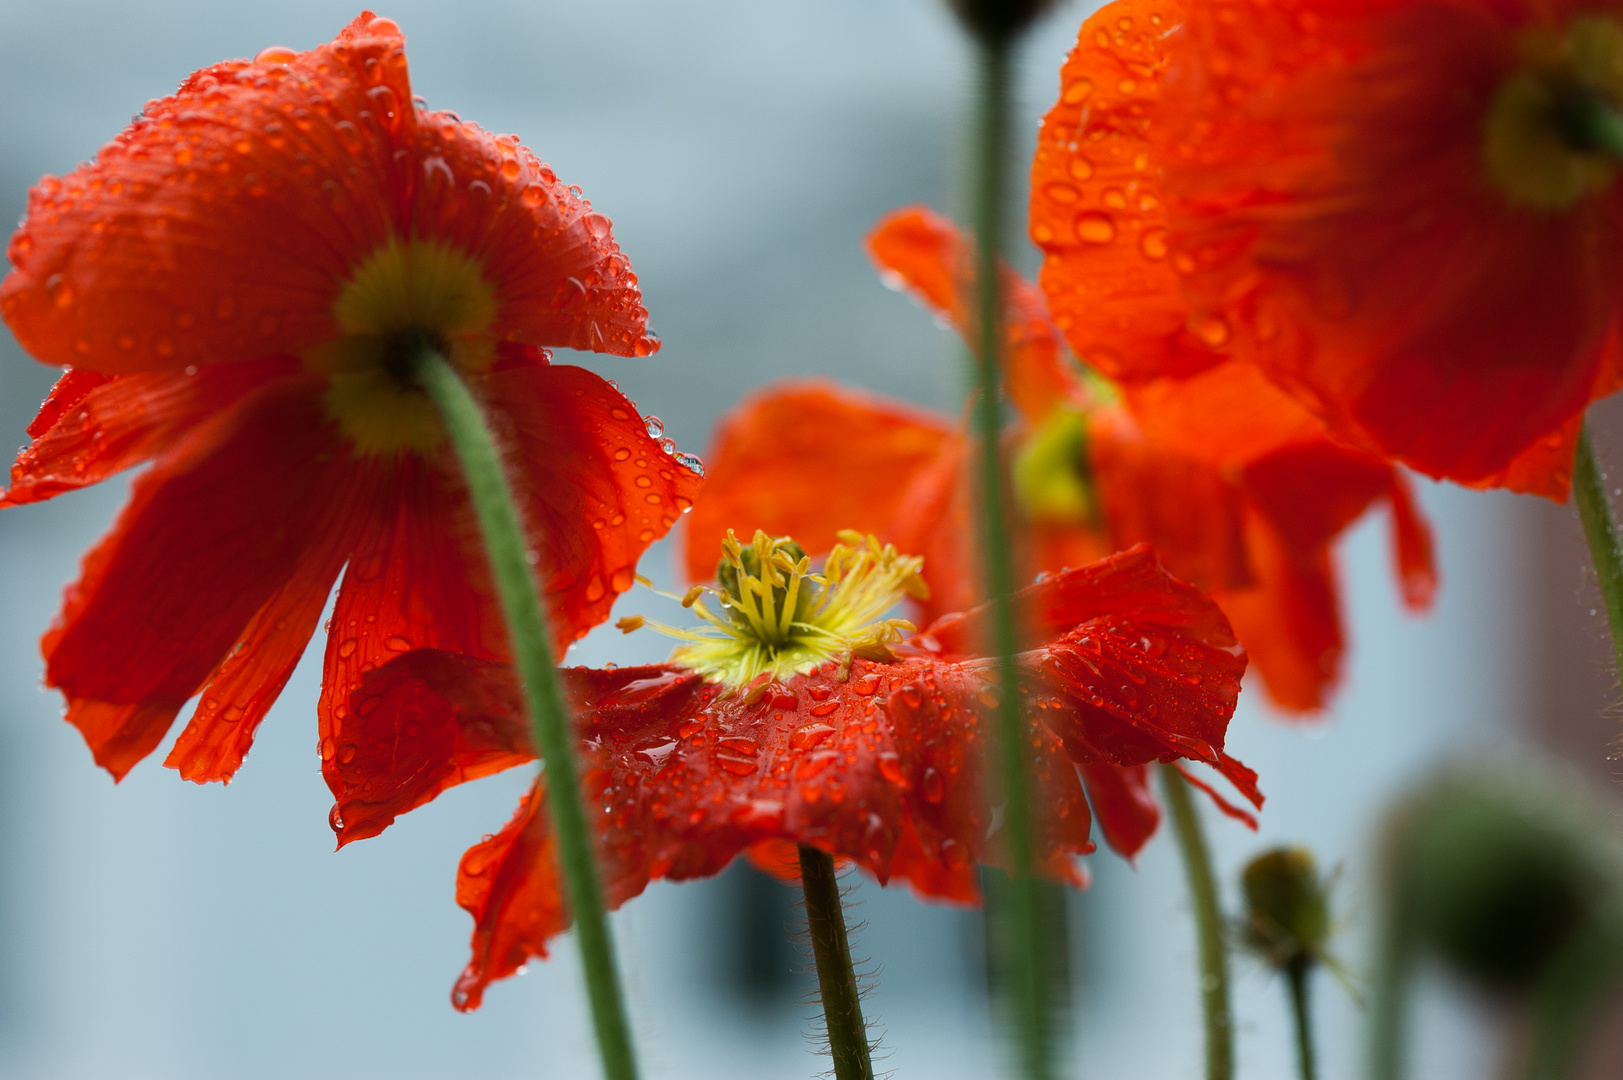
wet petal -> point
(211, 533)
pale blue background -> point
(742, 148)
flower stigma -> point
(778, 617)
(1539, 138)
(405, 296)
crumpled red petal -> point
(873, 762)
(210, 534)
(93, 426)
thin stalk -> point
(1568, 998)
(1022, 905)
(1389, 986)
(507, 549)
(1297, 973)
(836, 979)
(1214, 960)
(1600, 529)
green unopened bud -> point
(1287, 907)
(998, 20)
(1496, 868)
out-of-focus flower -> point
(800, 715)
(1251, 522)
(238, 285)
(1287, 918)
(1396, 211)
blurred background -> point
(742, 149)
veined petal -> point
(808, 459)
(93, 426)
(1122, 801)
(245, 685)
(210, 534)
(595, 485)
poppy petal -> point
(1096, 209)
(423, 722)
(511, 885)
(93, 425)
(924, 253)
(1127, 811)
(210, 534)
(1228, 415)
(808, 459)
(1412, 547)
(247, 682)
(1311, 491)
(314, 191)
(596, 486)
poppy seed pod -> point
(1497, 867)
(998, 20)
(1287, 907)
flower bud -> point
(998, 20)
(1287, 907)
(1497, 867)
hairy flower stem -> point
(1600, 529)
(550, 725)
(836, 979)
(1296, 980)
(1022, 914)
(1214, 960)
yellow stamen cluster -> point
(778, 617)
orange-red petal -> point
(1097, 210)
(1329, 192)
(806, 460)
(222, 224)
(210, 534)
(93, 426)
(1126, 809)
(924, 253)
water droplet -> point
(1153, 244)
(656, 426)
(824, 709)
(736, 765)
(346, 753)
(954, 854)
(397, 644)
(931, 785)
(1095, 227)
(866, 685)
(1062, 193)
(594, 589)
(1080, 168)
(809, 736)
(622, 579)
(328, 749)
(276, 54)
(1076, 91)
(534, 195)
(346, 648)
(890, 767)
(692, 463)
(1211, 329)
(738, 744)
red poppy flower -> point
(1377, 204)
(1249, 520)
(233, 281)
(802, 716)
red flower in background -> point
(803, 717)
(1379, 206)
(1249, 519)
(234, 283)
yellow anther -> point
(630, 623)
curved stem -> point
(1022, 916)
(1579, 980)
(1214, 960)
(550, 724)
(1297, 974)
(836, 979)
(1600, 529)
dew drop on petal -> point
(1095, 227)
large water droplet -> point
(1095, 227)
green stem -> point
(836, 978)
(1214, 960)
(551, 728)
(1600, 529)
(1578, 981)
(1022, 902)
(1297, 974)
(1389, 983)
